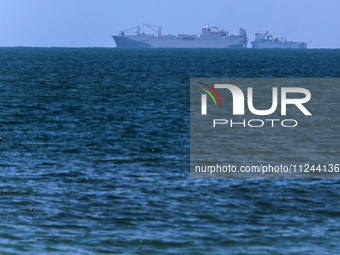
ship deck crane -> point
(158, 30)
(136, 30)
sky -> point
(90, 23)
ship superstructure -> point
(211, 37)
(266, 40)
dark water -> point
(95, 158)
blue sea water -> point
(95, 158)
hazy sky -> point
(82, 23)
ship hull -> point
(123, 42)
(178, 42)
(280, 45)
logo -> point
(238, 103)
(204, 98)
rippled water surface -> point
(95, 158)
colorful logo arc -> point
(213, 90)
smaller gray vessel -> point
(266, 40)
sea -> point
(95, 156)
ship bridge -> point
(213, 32)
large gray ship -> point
(266, 40)
(211, 37)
